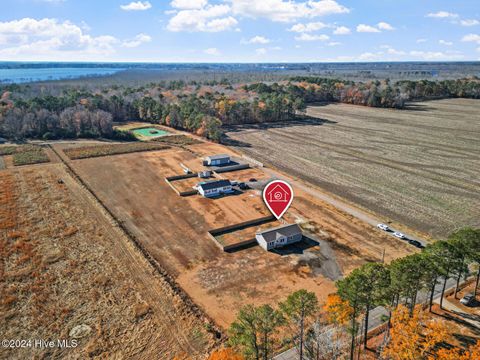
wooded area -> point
(58, 111)
(409, 333)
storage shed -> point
(216, 160)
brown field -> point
(418, 166)
(63, 265)
(187, 184)
(174, 231)
(85, 152)
(19, 155)
(248, 233)
(247, 174)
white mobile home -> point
(279, 236)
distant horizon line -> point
(235, 63)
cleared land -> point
(180, 140)
(114, 149)
(66, 272)
(418, 166)
(174, 231)
(24, 154)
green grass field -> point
(149, 132)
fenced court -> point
(238, 236)
(149, 132)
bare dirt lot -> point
(67, 273)
(418, 166)
(174, 231)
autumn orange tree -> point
(414, 336)
(225, 354)
(337, 310)
(456, 353)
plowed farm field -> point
(418, 166)
(66, 273)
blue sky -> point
(239, 30)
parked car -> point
(468, 300)
(383, 227)
(399, 235)
(416, 243)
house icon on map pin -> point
(278, 194)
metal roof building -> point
(215, 160)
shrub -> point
(30, 157)
(181, 140)
(8, 150)
(112, 149)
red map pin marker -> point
(278, 196)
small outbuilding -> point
(205, 174)
(279, 236)
(216, 160)
(214, 188)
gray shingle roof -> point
(218, 157)
(214, 184)
(283, 230)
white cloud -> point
(334, 43)
(469, 22)
(189, 4)
(342, 30)
(369, 56)
(49, 38)
(385, 26)
(471, 38)
(435, 55)
(286, 10)
(392, 51)
(212, 18)
(212, 51)
(442, 15)
(309, 37)
(136, 6)
(137, 41)
(362, 28)
(257, 40)
(308, 27)
(261, 51)
(419, 41)
(446, 43)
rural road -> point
(376, 315)
(339, 204)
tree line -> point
(377, 284)
(385, 93)
(394, 286)
(36, 111)
(80, 113)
